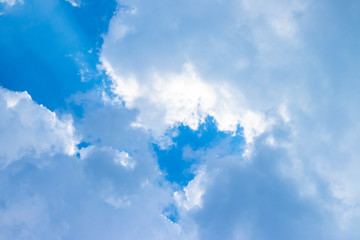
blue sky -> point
(187, 120)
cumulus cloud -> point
(253, 201)
(30, 129)
(65, 200)
(249, 64)
(117, 182)
(175, 79)
(172, 99)
(253, 66)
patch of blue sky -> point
(170, 212)
(178, 168)
(50, 49)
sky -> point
(191, 120)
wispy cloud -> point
(11, 2)
(74, 3)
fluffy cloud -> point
(253, 65)
(110, 181)
(192, 71)
(259, 65)
(172, 99)
(72, 198)
(252, 201)
(192, 194)
(29, 129)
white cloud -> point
(196, 70)
(170, 99)
(125, 160)
(121, 158)
(251, 200)
(248, 63)
(244, 63)
(191, 196)
(11, 2)
(115, 181)
(324, 155)
(74, 3)
(29, 129)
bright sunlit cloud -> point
(179, 120)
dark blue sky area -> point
(179, 169)
(45, 44)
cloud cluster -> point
(171, 99)
(256, 68)
(111, 189)
(248, 64)
(29, 129)
(199, 63)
